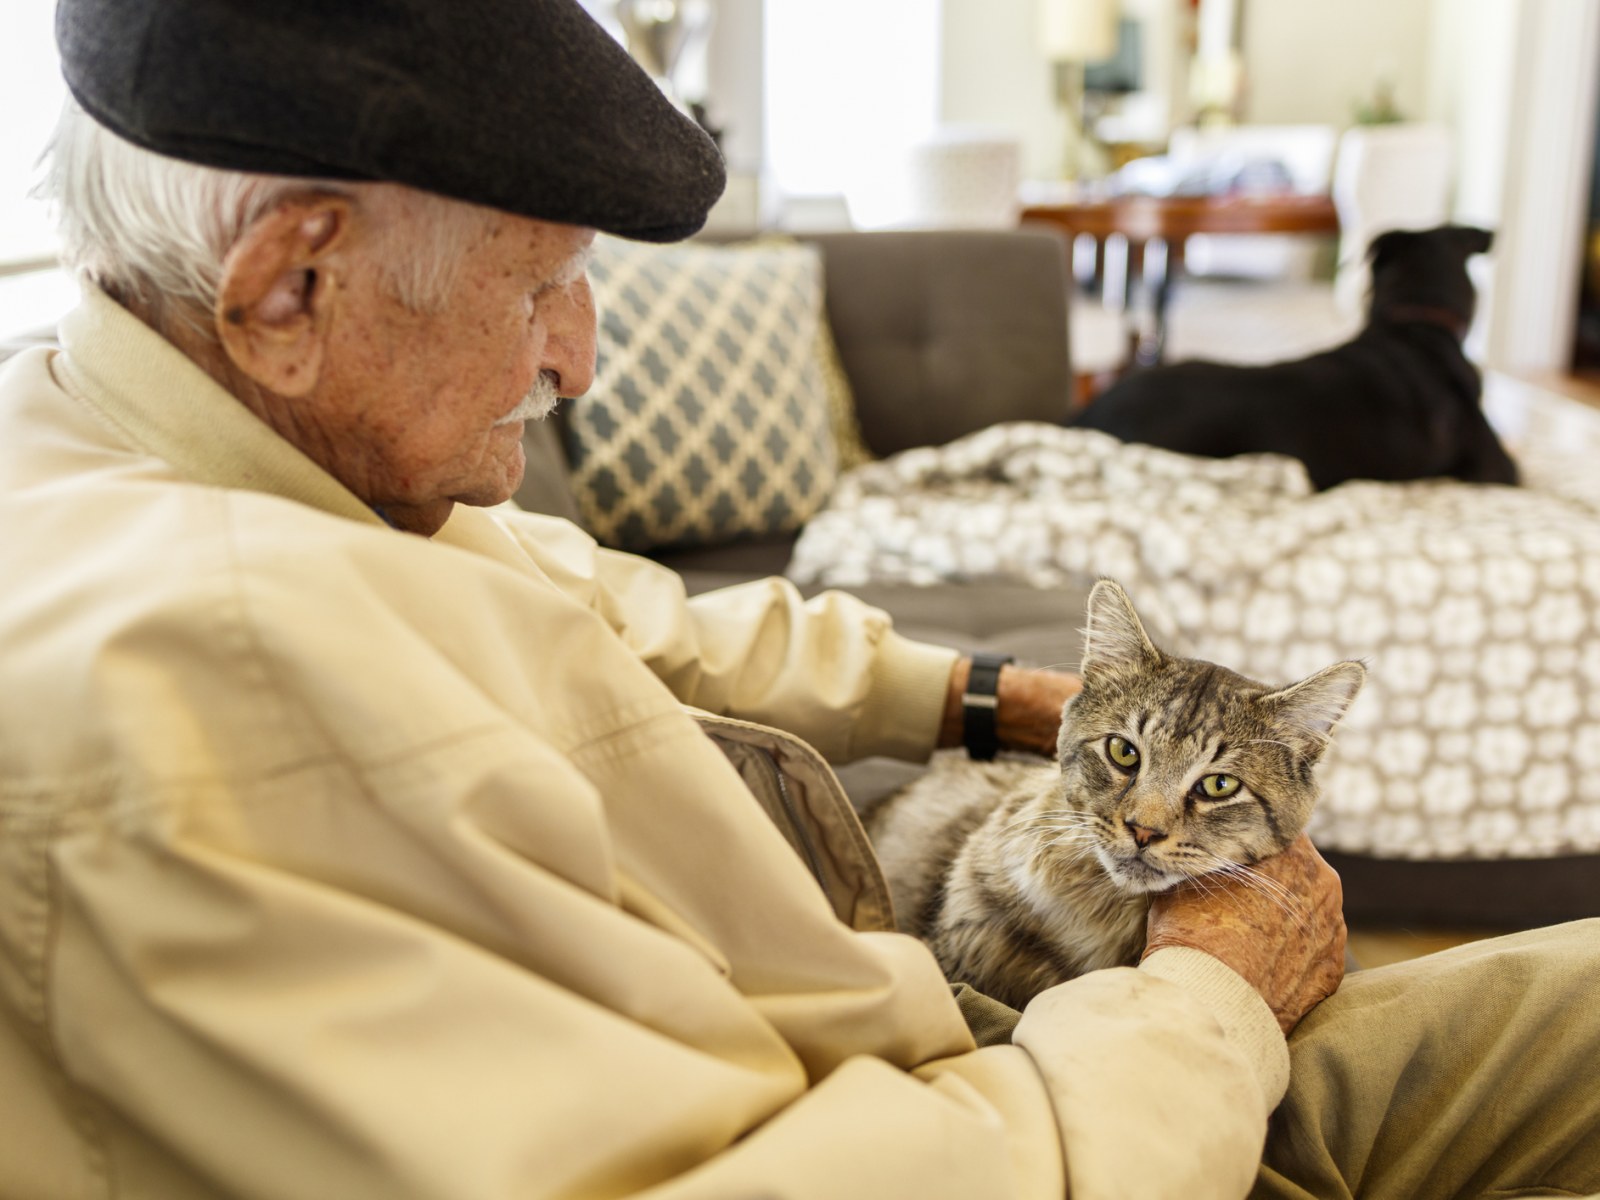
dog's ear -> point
(1387, 244)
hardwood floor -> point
(1583, 388)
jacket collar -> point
(166, 406)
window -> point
(851, 86)
(33, 293)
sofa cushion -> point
(844, 422)
(945, 332)
(708, 419)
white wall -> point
(851, 86)
(1471, 77)
(734, 82)
(31, 92)
(1312, 61)
(992, 74)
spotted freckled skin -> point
(1020, 874)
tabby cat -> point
(1022, 874)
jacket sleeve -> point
(1183, 1046)
(831, 671)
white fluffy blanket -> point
(1477, 609)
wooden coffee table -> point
(1173, 220)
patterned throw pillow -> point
(708, 419)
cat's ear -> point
(1115, 637)
(1308, 711)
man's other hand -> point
(1280, 925)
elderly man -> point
(359, 842)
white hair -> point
(155, 231)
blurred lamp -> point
(1078, 30)
(1072, 33)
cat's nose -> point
(1143, 835)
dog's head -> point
(1416, 273)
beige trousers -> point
(1471, 1073)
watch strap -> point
(978, 704)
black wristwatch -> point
(978, 704)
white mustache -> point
(538, 404)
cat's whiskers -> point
(1061, 834)
(1077, 831)
(1266, 883)
(1068, 666)
(1049, 814)
(1280, 894)
(1072, 832)
(1270, 888)
(1081, 836)
(1212, 887)
(1065, 817)
(1068, 848)
(1293, 905)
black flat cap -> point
(523, 105)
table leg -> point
(1153, 349)
(1133, 299)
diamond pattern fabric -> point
(708, 420)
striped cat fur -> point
(1021, 874)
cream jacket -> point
(339, 862)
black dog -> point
(1400, 401)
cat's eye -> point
(1219, 787)
(1122, 752)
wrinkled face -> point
(1181, 772)
(421, 410)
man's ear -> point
(277, 292)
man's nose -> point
(1144, 835)
(569, 348)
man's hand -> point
(1028, 707)
(1281, 927)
